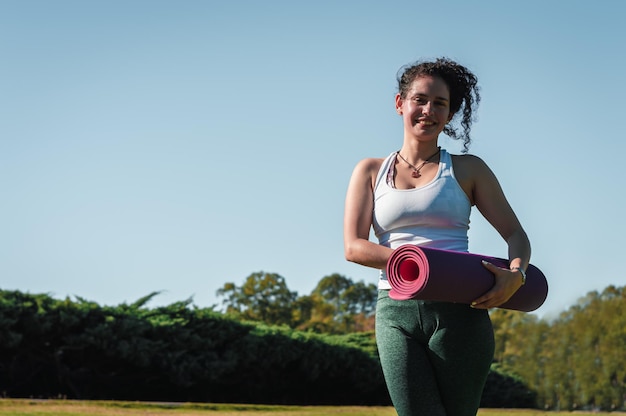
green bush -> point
(77, 349)
(80, 350)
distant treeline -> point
(80, 350)
(575, 361)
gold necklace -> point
(416, 170)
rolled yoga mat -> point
(451, 276)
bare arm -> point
(491, 202)
(358, 218)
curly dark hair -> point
(464, 91)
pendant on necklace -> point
(415, 174)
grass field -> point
(29, 407)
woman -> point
(435, 355)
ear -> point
(399, 104)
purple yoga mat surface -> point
(451, 276)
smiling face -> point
(425, 108)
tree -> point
(332, 289)
(575, 361)
(351, 304)
(263, 297)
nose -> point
(427, 108)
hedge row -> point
(80, 350)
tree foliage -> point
(576, 361)
(337, 305)
(263, 297)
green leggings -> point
(435, 355)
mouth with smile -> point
(425, 123)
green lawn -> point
(26, 407)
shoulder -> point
(368, 166)
(475, 177)
(469, 166)
(468, 160)
(365, 173)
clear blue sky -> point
(174, 146)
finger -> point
(489, 266)
(489, 303)
(479, 305)
(482, 302)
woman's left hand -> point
(507, 283)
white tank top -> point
(434, 215)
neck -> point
(419, 152)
